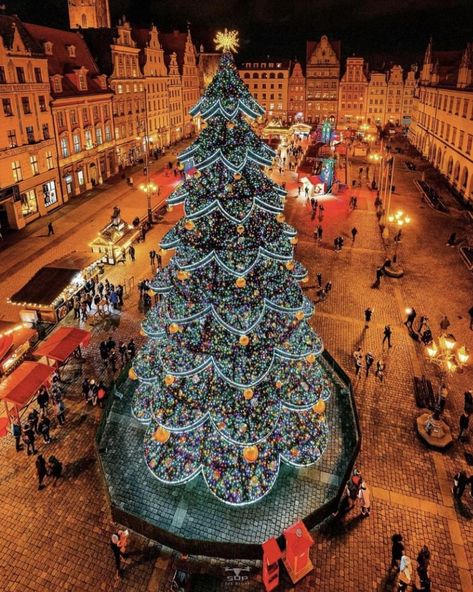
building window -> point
(469, 142)
(465, 107)
(49, 192)
(88, 139)
(30, 134)
(42, 103)
(29, 203)
(85, 115)
(73, 116)
(60, 119)
(80, 177)
(34, 165)
(64, 147)
(460, 139)
(49, 160)
(25, 101)
(82, 82)
(95, 112)
(7, 107)
(38, 76)
(76, 143)
(16, 170)
(2, 75)
(20, 74)
(108, 134)
(98, 135)
(12, 138)
(57, 85)
(46, 135)
(106, 113)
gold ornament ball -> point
(182, 275)
(132, 374)
(294, 240)
(240, 282)
(161, 435)
(250, 453)
(237, 176)
(305, 279)
(299, 315)
(244, 340)
(173, 328)
(310, 358)
(240, 229)
(248, 394)
(230, 125)
(197, 174)
(281, 218)
(290, 265)
(319, 407)
(170, 208)
(294, 452)
(169, 379)
(278, 384)
(189, 225)
(180, 166)
(142, 333)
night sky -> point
(393, 28)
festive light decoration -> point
(132, 374)
(226, 41)
(229, 382)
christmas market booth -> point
(47, 296)
(113, 241)
(63, 345)
(21, 386)
(16, 340)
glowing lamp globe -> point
(250, 453)
(189, 225)
(299, 315)
(319, 407)
(173, 328)
(310, 358)
(240, 282)
(132, 374)
(161, 435)
(290, 265)
(244, 340)
(169, 379)
(240, 229)
(248, 394)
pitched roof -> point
(311, 45)
(99, 42)
(62, 63)
(7, 29)
(173, 42)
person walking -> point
(41, 471)
(16, 433)
(444, 324)
(423, 562)
(33, 418)
(44, 427)
(379, 373)
(114, 545)
(131, 252)
(123, 352)
(43, 399)
(358, 359)
(463, 426)
(368, 316)
(50, 229)
(405, 573)
(112, 356)
(152, 257)
(460, 481)
(319, 279)
(320, 232)
(379, 275)
(28, 439)
(397, 550)
(369, 359)
(101, 395)
(55, 469)
(411, 315)
(422, 323)
(354, 232)
(470, 312)
(60, 412)
(365, 500)
(387, 335)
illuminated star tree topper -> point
(227, 41)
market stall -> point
(113, 241)
(21, 386)
(63, 344)
(16, 341)
(47, 297)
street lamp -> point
(377, 158)
(447, 354)
(150, 189)
(400, 220)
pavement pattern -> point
(58, 538)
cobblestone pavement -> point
(57, 539)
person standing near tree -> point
(41, 471)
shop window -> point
(80, 177)
(16, 171)
(49, 192)
(29, 203)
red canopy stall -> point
(62, 344)
(22, 385)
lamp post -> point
(150, 189)
(399, 220)
(449, 357)
(376, 159)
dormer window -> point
(71, 51)
(82, 82)
(48, 48)
(57, 84)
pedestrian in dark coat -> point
(463, 425)
(33, 417)
(114, 545)
(43, 400)
(55, 468)
(354, 232)
(28, 439)
(396, 550)
(319, 279)
(369, 359)
(131, 252)
(60, 411)
(460, 481)
(387, 335)
(368, 315)
(50, 229)
(411, 315)
(16, 433)
(44, 427)
(41, 470)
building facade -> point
(353, 94)
(376, 100)
(442, 119)
(322, 80)
(268, 82)
(89, 14)
(296, 108)
(28, 165)
(82, 111)
(394, 92)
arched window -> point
(456, 172)
(83, 21)
(450, 166)
(464, 178)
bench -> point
(424, 393)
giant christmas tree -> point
(230, 384)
